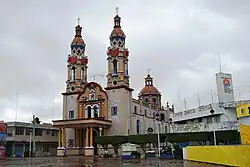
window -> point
(154, 101)
(242, 110)
(92, 95)
(53, 133)
(96, 112)
(28, 131)
(135, 109)
(146, 100)
(145, 112)
(72, 74)
(83, 75)
(162, 118)
(38, 132)
(47, 132)
(166, 129)
(248, 110)
(138, 126)
(115, 66)
(113, 110)
(19, 131)
(10, 134)
(126, 67)
(71, 114)
(89, 111)
(209, 120)
(217, 118)
(199, 119)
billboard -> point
(3, 133)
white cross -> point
(149, 70)
(117, 10)
(78, 20)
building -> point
(215, 116)
(19, 135)
(90, 110)
(243, 113)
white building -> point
(216, 116)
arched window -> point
(83, 75)
(138, 126)
(72, 74)
(89, 111)
(115, 66)
(135, 109)
(96, 112)
(154, 102)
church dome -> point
(149, 88)
(78, 36)
(117, 32)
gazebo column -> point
(61, 142)
(89, 149)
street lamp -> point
(212, 113)
(30, 142)
(170, 121)
(158, 134)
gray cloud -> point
(177, 40)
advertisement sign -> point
(3, 137)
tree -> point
(143, 140)
(115, 141)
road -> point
(95, 162)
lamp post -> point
(30, 142)
(212, 113)
(170, 121)
(158, 134)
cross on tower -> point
(149, 70)
(117, 10)
(78, 20)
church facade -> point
(90, 110)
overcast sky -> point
(177, 40)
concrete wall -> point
(69, 103)
(120, 98)
(223, 155)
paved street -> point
(91, 162)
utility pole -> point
(34, 142)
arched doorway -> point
(95, 133)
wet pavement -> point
(95, 162)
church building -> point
(90, 110)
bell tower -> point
(117, 57)
(77, 63)
(119, 92)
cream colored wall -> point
(69, 103)
(147, 122)
(121, 98)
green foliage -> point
(113, 140)
(142, 139)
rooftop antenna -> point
(16, 106)
(53, 105)
(219, 61)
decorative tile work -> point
(223, 155)
(245, 134)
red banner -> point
(3, 128)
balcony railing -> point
(202, 127)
